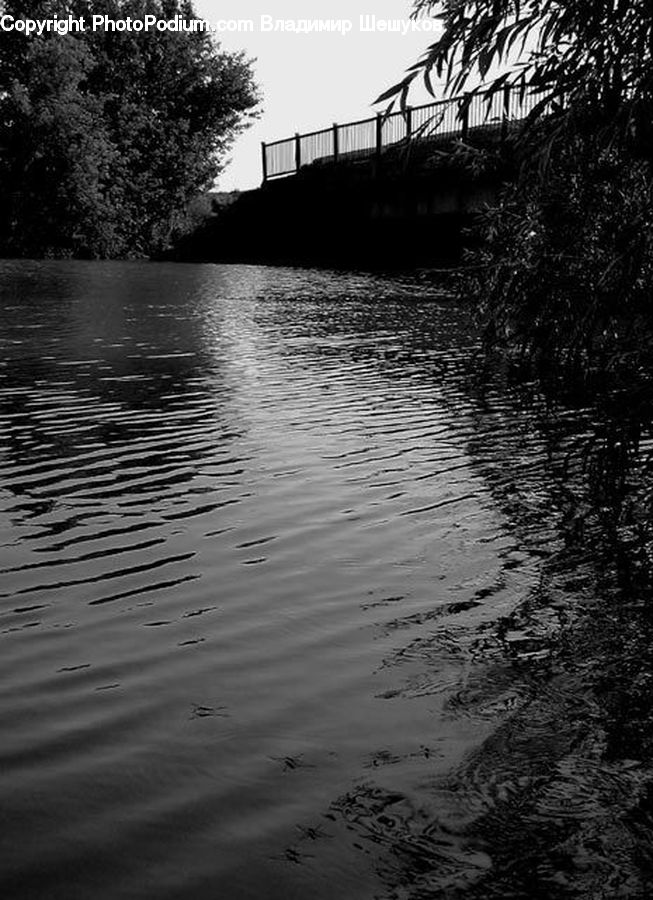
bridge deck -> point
(365, 138)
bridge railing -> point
(443, 119)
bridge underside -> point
(380, 213)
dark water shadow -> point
(556, 798)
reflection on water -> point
(296, 604)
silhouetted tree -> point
(576, 57)
(105, 137)
(566, 270)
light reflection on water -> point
(257, 531)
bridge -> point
(440, 122)
(387, 190)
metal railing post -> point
(464, 126)
(409, 122)
(336, 148)
(298, 151)
(264, 161)
(505, 118)
(379, 135)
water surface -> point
(265, 549)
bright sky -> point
(311, 80)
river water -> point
(282, 577)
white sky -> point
(311, 80)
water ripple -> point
(261, 548)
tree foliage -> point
(106, 136)
(576, 57)
(565, 268)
